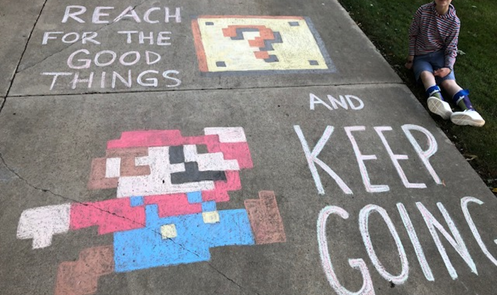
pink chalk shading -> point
(173, 205)
(110, 216)
(81, 277)
(265, 218)
(220, 193)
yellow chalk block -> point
(210, 217)
(168, 231)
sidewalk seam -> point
(22, 56)
(386, 83)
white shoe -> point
(439, 107)
(467, 117)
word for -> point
(102, 15)
(424, 155)
(162, 38)
(106, 58)
(434, 226)
(346, 101)
(148, 78)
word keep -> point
(424, 156)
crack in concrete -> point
(2, 159)
(22, 56)
(73, 44)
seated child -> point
(433, 40)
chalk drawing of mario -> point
(165, 211)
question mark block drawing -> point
(263, 44)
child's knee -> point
(426, 74)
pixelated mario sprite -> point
(165, 212)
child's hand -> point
(442, 72)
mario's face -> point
(173, 169)
(151, 163)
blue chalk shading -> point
(136, 201)
(194, 197)
(209, 23)
(294, 24)
(145, 248)
(220, 64)
(209, 206)
(313, 62)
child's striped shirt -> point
(431, 32)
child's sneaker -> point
(467, 117)
(439, 107)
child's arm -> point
(451, 45)
(413, 33)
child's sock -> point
(434, 91)
(462, 100)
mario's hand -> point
(442, 72)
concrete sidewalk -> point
(262, 147)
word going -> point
(434, 226)
(424, 155)
(102, 15)
(165, 212)
(354, 102)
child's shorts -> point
(431, 62)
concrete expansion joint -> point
(23, 52)
(372, 84)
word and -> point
(346, 101)
(423, 154)
(102, 15)
(454, 238)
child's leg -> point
(436, 103)
(423, 70)
(460, 97)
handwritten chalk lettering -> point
(71, 37)
(424, 155)
(464, 204)
(370, 188)
(357, 263)
(346, 101)
(366, 238)
(162, 38)
(107, 14)
(455, 240)
(114, 79)
(312, 159)
(106, 58)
